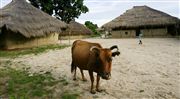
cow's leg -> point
(92, 81)
(83, 78)
(74, 78)
(97, 84)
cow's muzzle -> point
(104, 75)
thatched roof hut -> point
(141, 16)
(75, 28)
(143, 19)
(21, 18)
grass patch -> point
(36, 50)
(68, 95)
(64, 81)
(18, 84)
(95, 35)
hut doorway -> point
(172, 30)
(137, 32)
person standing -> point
(140, 38)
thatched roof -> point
(21, 17)
(75, 28)
(141, 16)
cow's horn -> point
(93, 48)
(113, 47)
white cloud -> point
(115, 1)
(101, 12)
(100, 7)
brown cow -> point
(94, 58)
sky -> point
(103, 11)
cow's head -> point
(103, 60)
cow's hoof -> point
(84, 79)
(93, 91)
(74, 79)
(100, 90)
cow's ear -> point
(96, 50)
(115, 53)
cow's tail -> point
(72, 64)
(72, 67)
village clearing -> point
(147, 71)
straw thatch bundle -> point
(75, 28)
(21, 17)
(142, 17)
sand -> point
(148, 71)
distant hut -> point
(145, 20)
(76, 30)
(24, 26)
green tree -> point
(65, 10)
(92, 26)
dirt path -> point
(151, 70)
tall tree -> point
(65, 10)
(92, 26)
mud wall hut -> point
(145, 20)
(24, 26)
(75, 30)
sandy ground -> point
(148, 71)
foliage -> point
(65, 10)
(36, 50)
(44, 5)
(17, 84)
(67, 95)
(92, 27)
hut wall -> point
(16, 41)
(123, 33)
(73, 37)
(161, 32)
